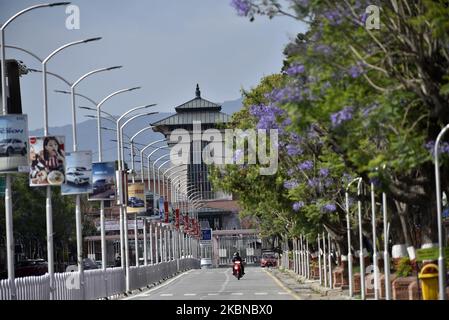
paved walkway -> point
(307, 289)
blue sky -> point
(165, 46)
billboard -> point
(103, 181)
(78, 173)
(136, 198)
(161, 207)
(47, 161)
(13, 142)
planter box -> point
(400, 287)
(413, 291)
(370, 287)
(315, 273)
(356, 288)
(382, 284)
(340, 278)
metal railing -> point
(98, 284)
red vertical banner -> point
(186, 223)
(177, 218)
(166, 211)
(192, 223)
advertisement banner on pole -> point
(161, 208)
(186, 222)
(13, 142)
(149, 204)
(136, 198)
(177, 218)
(103, 181)
(166, 211)
(192, 224)
(78, 173)
(47, 161)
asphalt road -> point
(219, 284)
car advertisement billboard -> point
(13, 142)
(78, 173)
(47, 161)
(103, 181)
(136, 198)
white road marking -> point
(283, 293)
(236, 294)
(190, 294)
(166, 294)
(147, 293)
(260, 293)
(212, 294)
(224, 283)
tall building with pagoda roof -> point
(219, 211)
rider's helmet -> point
(236, 254)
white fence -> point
(97, 284)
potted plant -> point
(404, 280)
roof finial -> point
(198, 92)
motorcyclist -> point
(237, 257)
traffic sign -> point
(206, 234)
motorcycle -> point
(237, 270)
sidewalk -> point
(307, 289)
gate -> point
(226, 242)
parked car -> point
(268, 260)
(88, 264)
(31, 267)
(9, 147)
(77, 178)
(135, 202)
(100, 186)
(77, 169)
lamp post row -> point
(8, 198)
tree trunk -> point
(402, 213)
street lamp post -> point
(308, 259)
(375, 261)
(149, 165)
(441, 258)
(361, 255)
(386, 253)
(141, 160)
(49, 213)
(136, 240)
(79, 233)
(100, 159)
(348, 229)
(154, 174)
(319, 259)
(325, 261)
(121, 166)
(329, 259)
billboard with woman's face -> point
(103, 178)
(47, 161)
(78, 173)
(13, 142)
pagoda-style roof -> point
(197, 109)
(187, 118)
(198, 104)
